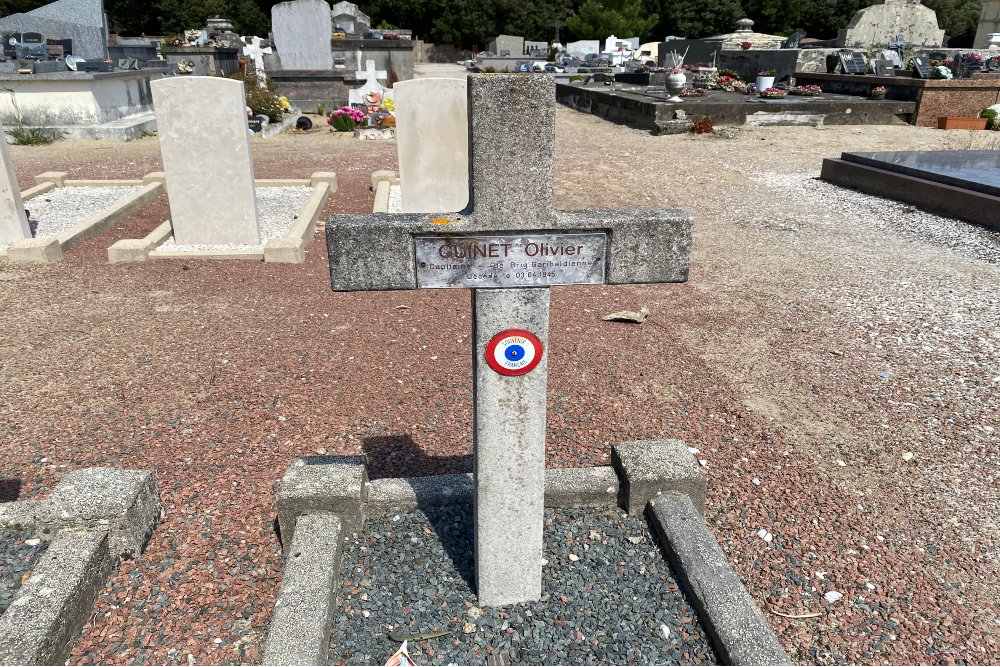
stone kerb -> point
(94, 517)
(650, 468)
(207, 159)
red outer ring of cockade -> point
(507, 333)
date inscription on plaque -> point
(522, 260)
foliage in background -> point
(260, 100)
(473, 23)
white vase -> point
(674, 84)
(993, 41)
(764, 82)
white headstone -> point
(302, 32)
(205, 146)
(584, 46)
(13, 222)
(372, 93)
(432, 139)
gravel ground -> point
(794, 356)
(19, 552)
(609, 597)
(277, 209)
(61, 209)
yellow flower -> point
(389, 104)
(285, 104)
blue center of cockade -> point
(514, 353)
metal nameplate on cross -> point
(508, 246)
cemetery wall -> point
(425, 52)
(208, 61)
(75, 98)
(989, 23)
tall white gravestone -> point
(205, 146)
(432, 140)
(302, 33)
(13, 222)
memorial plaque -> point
(884, 68)
(522, 260)
(923, 67)
(853, 63)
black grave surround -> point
(960, 184)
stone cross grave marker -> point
(256, 52)
(205, 146)
(509, 245)
(13, 222)
(432, 141)
(371, 93)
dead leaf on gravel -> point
(401, 308)
(814, 614)
(628, 316)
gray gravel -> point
(609, 597)
(277, 209)
(19, 551)
(62, 209)
(888, 215)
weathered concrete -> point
(879, 23)
(302, 30)
(738, 630)
(35, 251)
(511, 189)
(509, 449)
(137, 250)
(581, 487)
(650, 468)
(209, 174)
(318, 484)
(123, 502)
(51, 608)
(303, 613)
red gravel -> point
(217, 374)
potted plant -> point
(773, 93)
(765, 79)
(806, 91)
(345, 119)
(878, 93)
(961, 123)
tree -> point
(698, 18)
(596, 19)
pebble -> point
(618, 605)
(19, 552)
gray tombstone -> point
(82, 21)
(13, 221)
(509, 245)
(302, 30)
(207, 160)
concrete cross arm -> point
(377, 251)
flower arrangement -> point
(249, 112)
(749, 88)
(285, 104)
(992, 116)
(389, 104)
(766, 72)
(942, 72)
(806, 91)
(675, 70)
(745, 45)
(878, 90)
(694, 92)
(773, 93)
(177, 41)
(740, 86)
(345, 119)
(724, 82)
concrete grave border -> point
(328, 497)
(382, 182)
(287, 249)
(48, 250)
(94, 517)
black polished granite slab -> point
(970, 170)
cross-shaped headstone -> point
(256, 52)
(509, 245)
(370, 74)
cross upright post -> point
(509, 245)
(370, 74)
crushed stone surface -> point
(61, 209)
(608, 595)
(20, 551)
(849, 368)
(277, 209)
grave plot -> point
(217, 209)
(508, 248)
(57, 553)
(64, 213)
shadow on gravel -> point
(399, 455)
(454, 527)
(10, 489)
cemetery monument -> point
(877, 25)
(508, 247)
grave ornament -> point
(509, 245)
